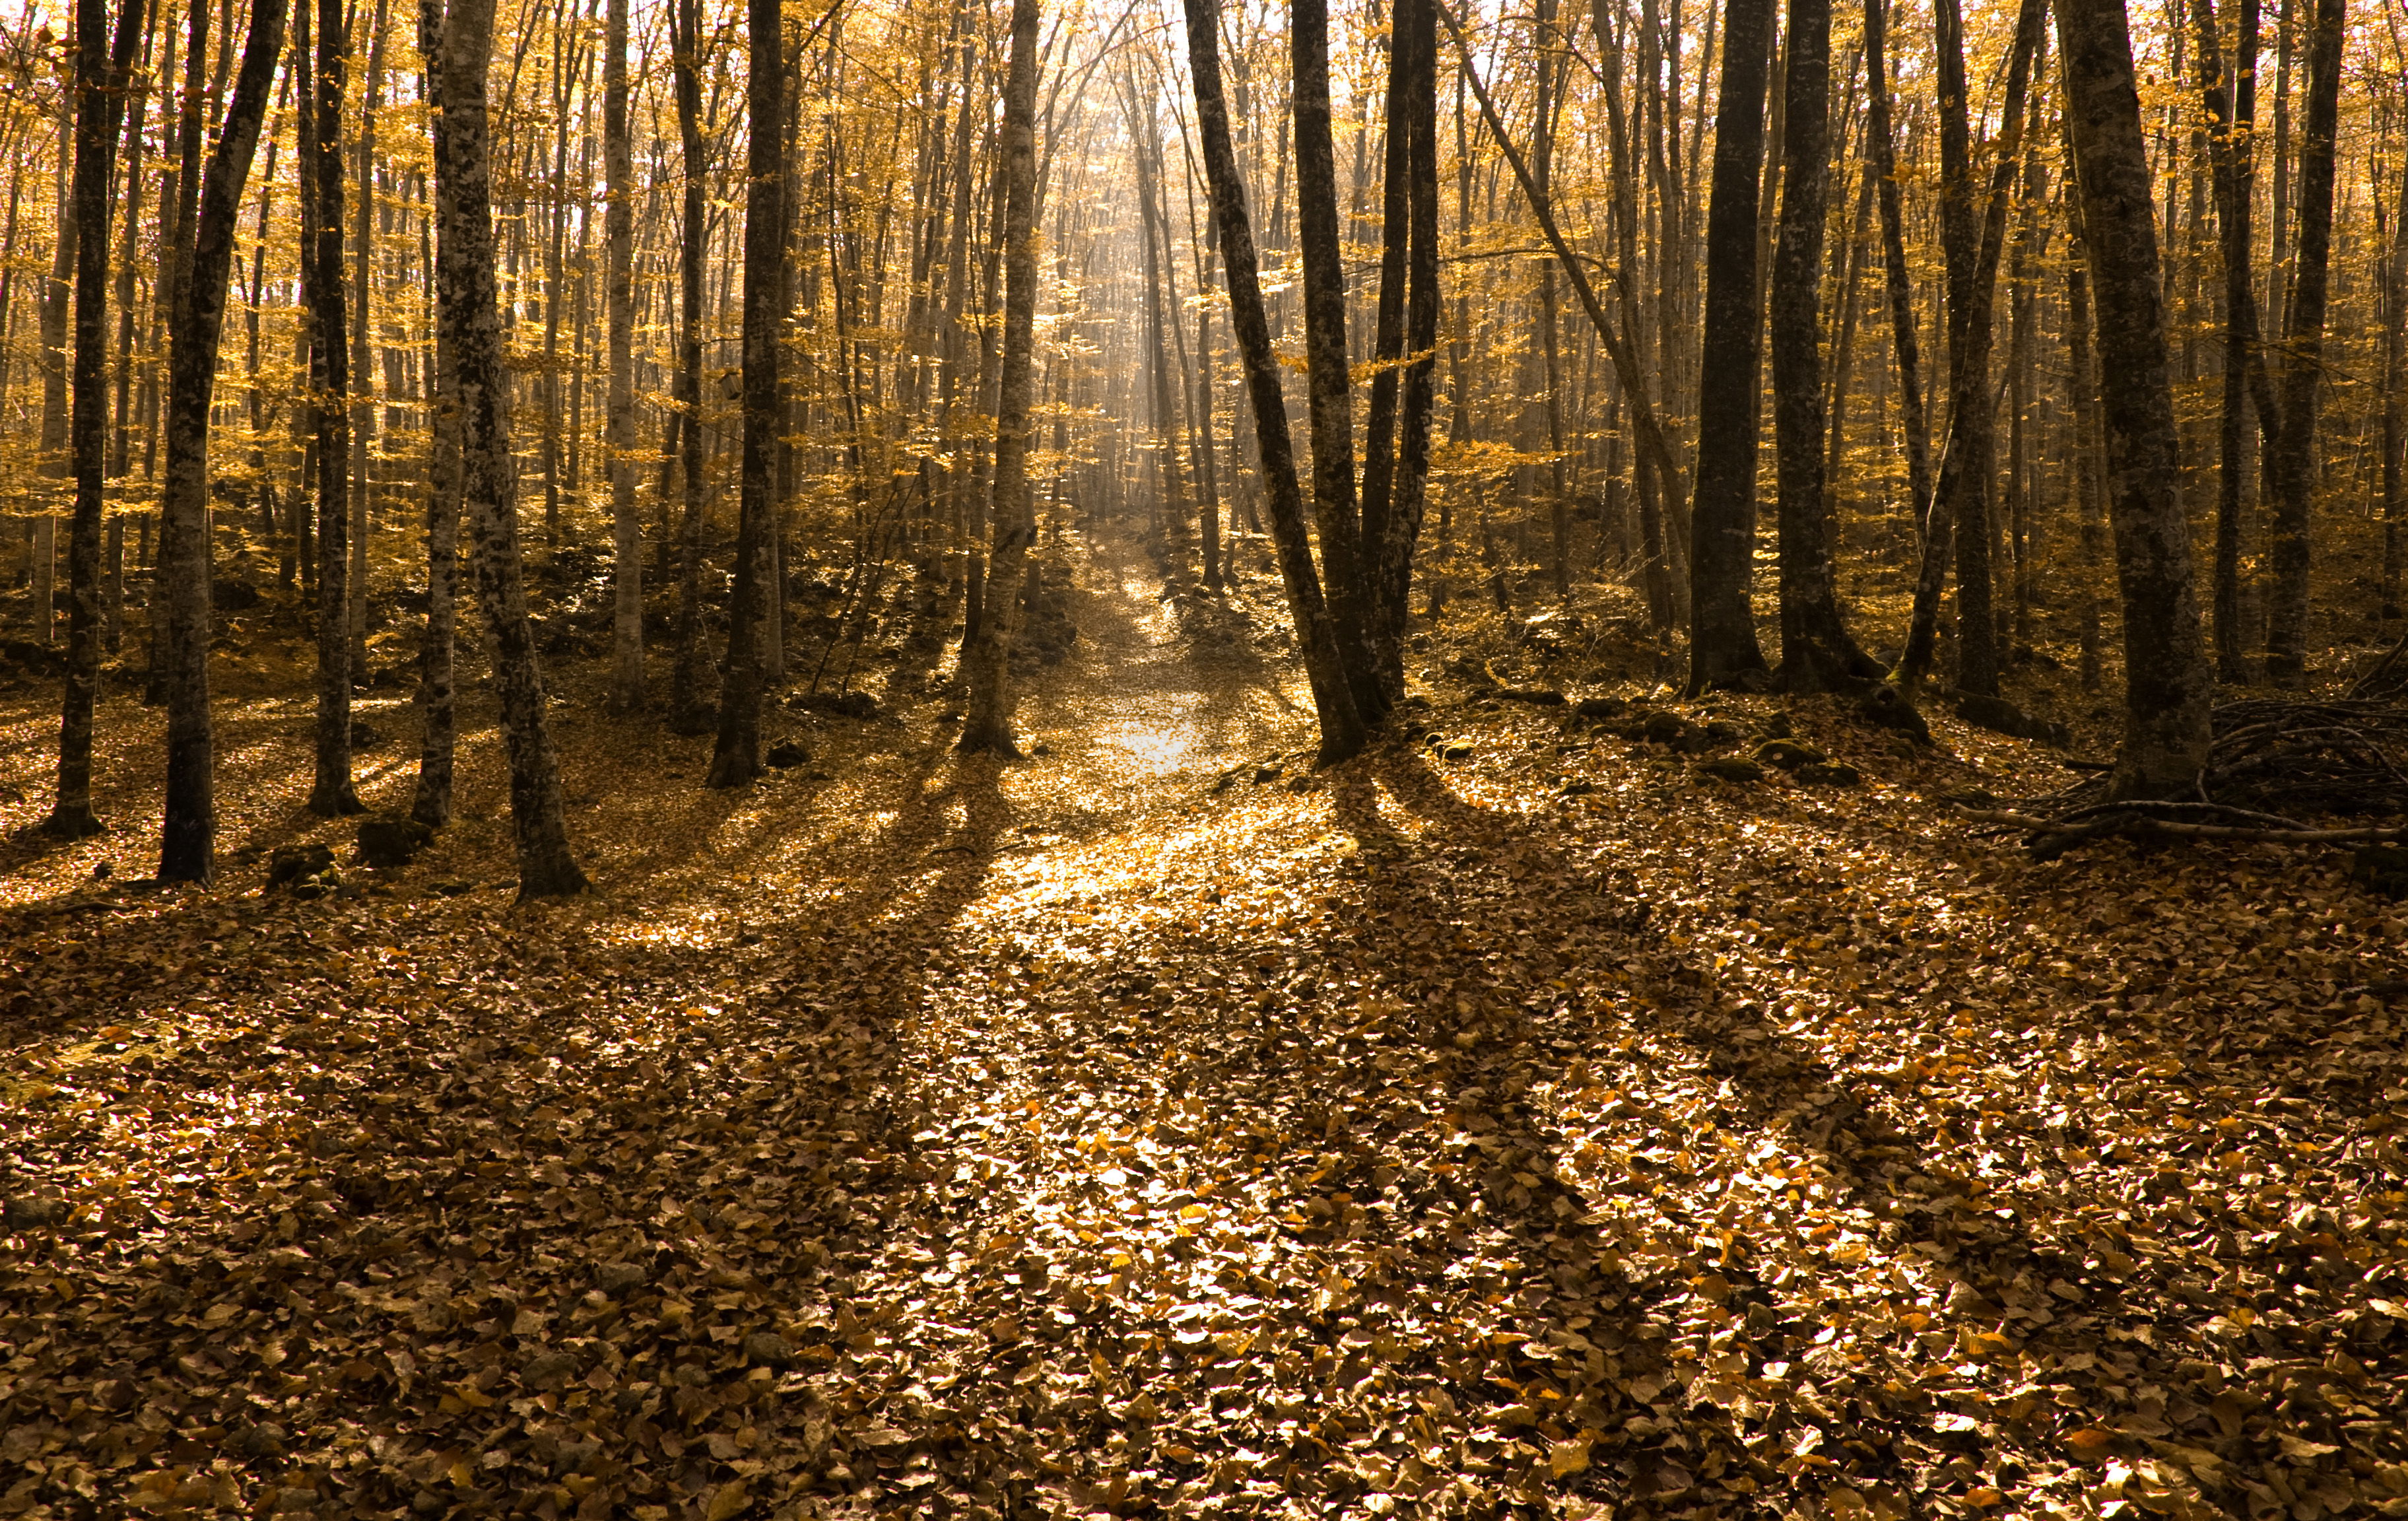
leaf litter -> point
(1516, 1119)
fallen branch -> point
(2129, 820)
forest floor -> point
(1522, 1122)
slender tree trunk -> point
(438, 654)
(986, 664)
(1817, 652)
(688, 711)
(1416, 41)
(1342, 729)
(331, 792)
(2394, 398)
(1387, 627)
(735, 758)
(464, 283)
(362, 410)
(99, 74)
(1960, 513)
(1335, 512)
(2292, 465)
(2167, 682)
(618, 441)
(1723, 649)
(121, 436)
(2231, 102)
(188, 843)
(57, 305)
(1160, 322)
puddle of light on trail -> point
(1157, 748)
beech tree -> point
(2167, 682)
(489, 483)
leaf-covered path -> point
(1522, 1124)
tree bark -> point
(2167, 682)
(1817, 652)
(1898, 280)
(362, 402)
(735, 756)
(2395, 399)
(1961, 512)
(1342, 729)
(1723, 649)
(2231, 100)
(619, 428)
(331, 792)
(688, 714)
(99, 74)
(438, 654)
(2291, 463)
(188, 843)
(1394, 472)
(464, 283)
(986, 661)
(1328, 408)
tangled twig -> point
(2270, 760)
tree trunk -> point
(188, 843)
(331, 792)
(688, 712)
(2395, 399)
(1393, 505)
(122, 435)
(2167, 684)
(1971, 249)
(1898, 280)
(1416, 38)
(1335, 513)
(362, 412)
(619, 428)
(1342, 729)
(2231, 102)
(1961, 512)
(735, 758)
(99, 74)
(986, 663)
(1723, 649)
(438, 655)
(1817, 652)
(2292, 465)
(465, 283)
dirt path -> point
(1544, 1131)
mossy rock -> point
(389, 842)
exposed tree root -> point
(2270, 760)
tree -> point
(489, 488)
(2291, 462)
(188, 843)
(986, 660)
(1395, 489)
(619, 437)
(736, 755)
(331, 791)
(1342, 729)
(2167, 684)
(1961, 512)
(2231, 103)
(1723, 649)
(1326, 383)
(688, 714)
(438, 653)
(99, 102)
(1817, 652)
